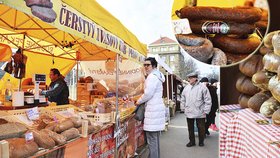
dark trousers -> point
(200, 122)
(210, 119)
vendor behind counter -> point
(58, 90)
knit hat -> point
(204, 79)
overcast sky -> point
(148, 20)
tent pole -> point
(172, 87)
(117, 119)
(77, 77)
(167, 87)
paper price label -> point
(29, 137)
(181, 26)
(33, 113)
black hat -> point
(212, 80)
(204, 79)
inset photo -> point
(220, 32)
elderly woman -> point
(154, 120)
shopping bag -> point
(140, 112)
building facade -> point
(169, 52)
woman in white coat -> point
(154, 120)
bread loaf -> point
(76, 121)
(70, 133)
(12, 130)
(252, 65)
(58, 138)
(18, 148)
(245, 85)
(257, 100)
(271, 62)
(263, 50)
(268, 39)
(243, 100)
(276, 117)
(269, 107)
(64, 125)
(261, 79)
(43, 139)
(274, 87)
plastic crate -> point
(98, 117)
(123, 113)
(62, 110)
(21, 116)
(8, 117)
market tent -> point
(6, 52)
(78, 32)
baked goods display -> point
(264, 69)
(236, 31)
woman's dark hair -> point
(152, 60)
(55, 71)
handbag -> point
(140, 112)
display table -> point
(241, 136)
(225, 118)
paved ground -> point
(173, 142)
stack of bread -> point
(232, 32)
(46, 134)
(266, 78)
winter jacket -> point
(58, 92)
(197, 100)
(155, 109)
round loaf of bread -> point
(243, 100)
(246, 86)
(263, 50)
(276, 117)
(252, 65)
(256, 101)
(271, 62)
(268, 39)
(261, 79)
(274, 87)
(269, 107)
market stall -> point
(61, 34)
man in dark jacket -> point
(58, 90)
(210, 118)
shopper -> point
(58, 90)
(154, 120)
(210, 118)
(215, 104)
(197, 101)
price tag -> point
(29, 136)
(181, 26)
(33, 113)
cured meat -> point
(236, 14)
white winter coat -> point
(155, 109)
(197, 100)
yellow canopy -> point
(5, 52)
(66, 31)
